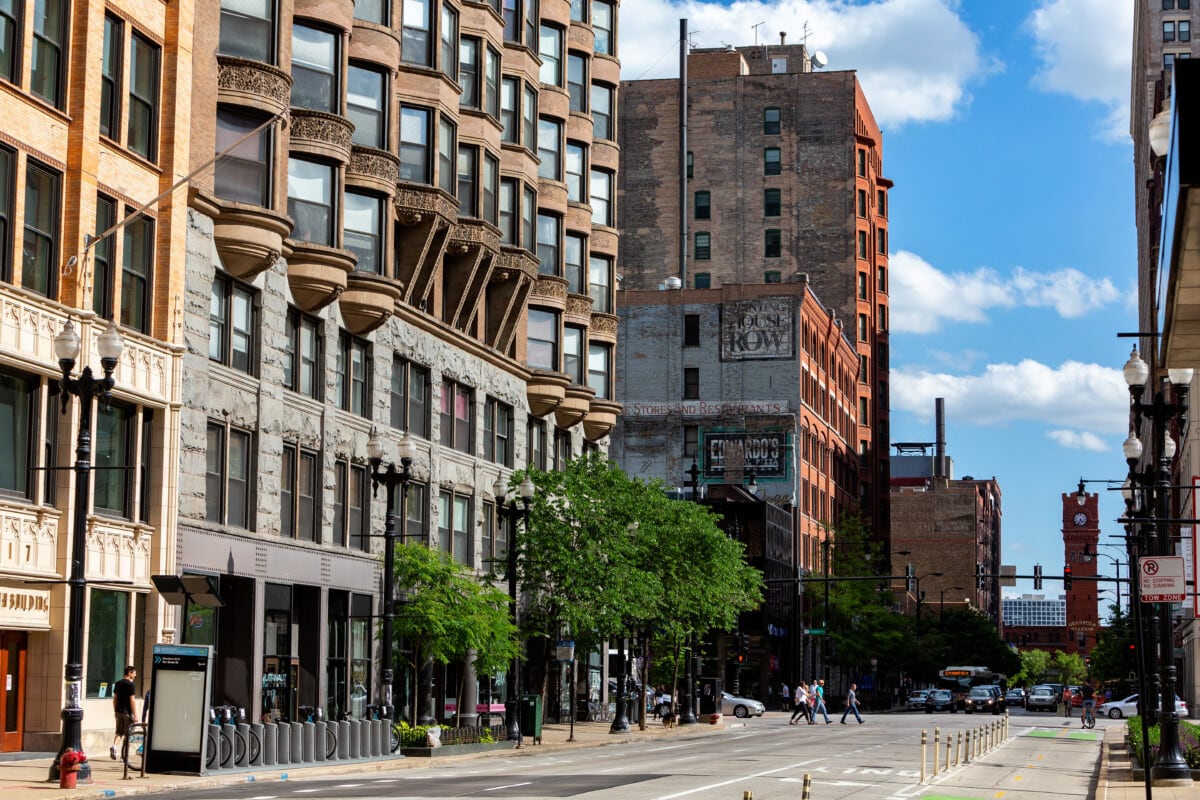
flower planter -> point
(454, 749)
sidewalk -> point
(1116, 779)
(25, 779)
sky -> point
(1011, 226)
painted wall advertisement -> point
(764, 328)
(764, 452)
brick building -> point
(784, 179)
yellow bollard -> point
(924, 740)
(958, 749)
(807, 793)
(937, 745)
(747, 795)
(967, 750)
(947, 754)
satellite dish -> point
(819, 59)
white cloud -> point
(1077, 396)
(914, 58)
(1085, 51)
(1079, 440)
(923, 297)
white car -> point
(916, 699)
(1115, 709)
(740, 707)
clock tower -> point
(1081, 537)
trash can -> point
(531, 717)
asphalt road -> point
(1045, 756)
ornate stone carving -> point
(546, 289)
(604, 324)
(254, 77)
(579, 305)
(418, 198)
(317, 126)
(374, 163)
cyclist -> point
(1089, 702)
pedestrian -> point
(852, 705)
(819, 703)
(124, 707)
(801, 699)
(784, 696)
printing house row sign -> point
(758, 329)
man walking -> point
(801, 704)
(784, 696)
(819, 703)
(124, 707)
(852, 705)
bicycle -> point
(1089, 716)
(133, 749)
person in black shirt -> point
(124, 707)
(1089, 698)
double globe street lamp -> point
(88, 388)
(518, 509)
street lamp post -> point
(942, 600)
(1170, 766)
(87, 388)
(518, 509)
(391, 478)
(687, 712)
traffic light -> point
(1037, 576)
(1066, 576)
(979, 576)
(910, 579)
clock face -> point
(1081, 518)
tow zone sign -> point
(1162, 579)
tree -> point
(1033, 668)
(1068, 666)
(1114, 658)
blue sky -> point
(1013, 245)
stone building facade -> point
(784, 171)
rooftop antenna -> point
(691, 42)
(756, 27)
(805, 34)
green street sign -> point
(814, 631)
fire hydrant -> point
(68, 768)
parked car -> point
(1115, 709)
(916, 698)
(984, 699)
(1042, 698)
(1015, 696)
(741, 707)
(939, 700)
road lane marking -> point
(710, 786)
(507, 786)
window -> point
(416, 508)
(299, 494)
(602, 191)
(861, 162)
(691, 162)
(862, 286)
(248, 29)
(415, 45)
(103, 255)
(137, 268)
(602, 25)
(771, 118)
(598, 370)
(550, 43)
(881, 202)
(862, 328)
(543, 340)
(861, 202)
(19, 401)
(40, 251)
(691, 330)
(531, 24)
(376, 11)
(1168, 31)
(535, 435)
(110, 75)
(703, 247)
(528, 227)
(311, 188)
(771, 161)
(1168, 61)
(363, 230)
(881, 279)
(227, 476)
(576, 164)
(46, 68)
(447, 153)
(508, 212)
(454, 526)
(302, 363)
(366, 106)
(410, 397)
(771, 202)
(414, 144)
(510, 90)
(579, 9)
(1185, 30)
(449, 36)
(468, 71)
(548, 253)
(881, 317)
(353, 378)
(498, 432)
(562, 449)
(881, 241)
(108, 640)
(602, 112)
(862, 244)
(9, 21)
(468, 181)
(549, 148)
(691, 383)
(772, 243)
(243, 174)
(529, 118)
(772, 276)
(577, 81)
(703, 205)
(315, 65)
(456, 416)
(491, 86)
(600, 283)
(512, 21)
(573, 339)
(691, 441)
(232, 319)
(351, 506)
(114, 448)
(574, 246)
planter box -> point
(453, 749)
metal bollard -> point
(227, 748)
(364, 738)
(256, 759)
(242, 731)
(807, 793)
(319, 741)
(376, 737)
(284, 754)
(924, 741)
(308, 737)
(343, 742)
(355, 737)
(270, 744)
(297, 742)
(937, 745)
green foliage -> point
(1112, 659)
(1189, 741)
(447, 613)
(1033, 668)
(1068, 667)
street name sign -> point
(1162, 579)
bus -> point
(960, 680)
